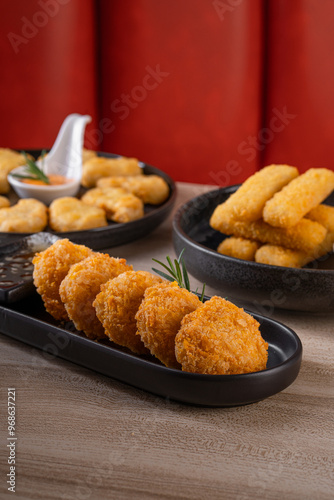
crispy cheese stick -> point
(324, 214)
(240, 248)
(294, 201)
(305, 236)
(248, 201)
(280, 256)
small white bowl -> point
(45, 194)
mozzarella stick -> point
(324, 214)
(294, 201)
(248, 201)
(240, 248)
(151, 189)
(280, 256)
(305, 236)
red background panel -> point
(48, 68)
(205, 97)
(300, 77)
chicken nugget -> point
(97, 167)
(117, 304)
(50, 268)
(119, 205)
(4, 202)
(26, 216)
(219, 338)
(82, 284)
(151, 189)
(240, 248)
(9, 160)
(294, 201)
(306, 235)
(70, 214)
(159, 318)
(248, 201)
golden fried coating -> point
(50, 268)
(70, 214)
(119, 205)
(4, 202)
(324, 214)
(240, 248)
(219, 338)
(82, 284)
(294, 201)
(159, 318)
(151, 189)
(306, 235)
(26, 216)
(117, 304)
(248, 201)
(280, 256)
(97, 167)
(9, 160)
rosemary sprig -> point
(177, 271)
(33, 172)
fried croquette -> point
(159, 318)
(97, 167)
(4, 202)
(26, 216)
(82, 284)
(248, 201)
(151, 189)
(240, 248)
(119, 205)
(294, 201)
(50, 268)
(70, 214)
(9, 160)
(219, 338)
(117, 304)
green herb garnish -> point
(33, 172)
(176, 272)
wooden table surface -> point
(81, 435)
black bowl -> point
(114, 234)
(262, 286)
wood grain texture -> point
(83, 436)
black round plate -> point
(114, 234)
(262, 286)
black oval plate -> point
(114, 234)
(27, 321)
(261, 286)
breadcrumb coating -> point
(219, 338)
(82, 284)
(294, 201)
(117, 304)
(50, 268)
(240, 248)
(159, 318)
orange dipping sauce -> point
(55, 180)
